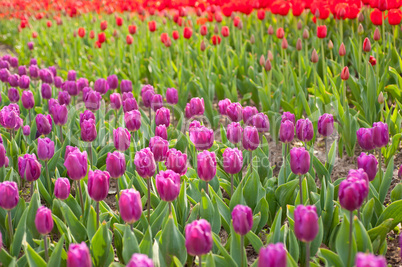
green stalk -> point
(242, 249)
(149, 200)
(284, 162)
(350, 236)
(383, 31)
(49, 184)
(301, 189)
(81, 199)
(46, 248)
(10, 227)
(307, 254)
(324, 75)
(97, 214)
(231, 185)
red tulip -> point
(372, 61)
(175, 35)
(284, 43)
(376, 17)
(164, 37)
(119, 21)
(132, 29)
(215, 39)
(261, 14)
(345, 73)
(366, 45)
(81, 32)
(225, 31)
(92, 34)
(187, 32)
(203, 30)
(342, 50)
(394, 16)
(152, 26)
(103, 25)
(280, 33)
(129, 39)
(101, 37)
(322, 31)
(49, 24)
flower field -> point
(200, 133)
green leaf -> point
(100, 244)
(19, 235)
(55, 258)
(130, 244)
(393, 211)
(276, 227)
(228, 260)
(386, 182)
(396, 193)
(91, 224)
(363, 241)
(331, 258)
(77, 229)
(342, 242)
(286, 192)
(255, 241)
(5, 258)
(172, 242)
(146, 243)
(34, 259)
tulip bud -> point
(162, 116)
(364, 260)
(360, 29)
(121, 139)
(45, 149)
(101, 86)
(284, 44)
(27, 99)
(306, 223)
(132, 120)
(26, 130)
(268, 65)
(372, 61)
(270, 56)
(13, 95)
(9, 196)
(345, 73)
(159, 148)
(280, 33)
(299, 25)
(88, 130)
(235, 112)
(113, 82)
(314, 56)
(202, 137)
(270, 30)
(381, 98)
(223, 105)
(198, 237)
(156, 102)
(116, 164)
(62, 188)
(304, 130)
(172, 96)
(140, 260)
(168, 185)
(360, 17)
(43, 124)
(197, 106)
(325, 124)
(78, 256)
(286, 131)
(234, 132)
(76, 163)
(98, 184)
(232, 160)
(71, 75)
(365, 138)
(306, 35)
(261, 122)
(262, 60)
(274, 255)
(43, 220)
(202, 46)
(299, 44)
(206, 165)
(299, 160)
(115, 101)
(252, 39)
(29, 167)
(380, 134)
(330, 45)
(342, 50)
(288, 116)
(130, 206)
(377, 35)
(248, 114)
(251, 138)
(242, 217)
(366, 45)
(145, 163)
(64, 98)
(369, 164)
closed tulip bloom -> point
(121, 139)
(223, 105)
(98, 184)
(159, 148)
(365, 138)
(366, 45)
(306, 223)
(13, 95)
(59, 113)
(376, 35)
(360, 174)
(115, 101)
(372, 61)
(286, 131)
(46, 91)
(53, 70)
(176, 161)
(116, 164)
(299, 160)
(369, 164)
(232, 160)
(62, 188)
(132, 120)
(234, 132)
(235, 112)
(71, 75)
(367, 260)
(242, 217)
(3, 155)
(280, 33)
(380, 134)
(352, 192)
(29, 167)
(26, 130)
(345, 73)
(64, 98)
(44, 220)
(88, 130)
(261, 122)
(156, 102)
(288, 116)
(4, 73)
(342, 50)
(126, 86)
(27, 99)
(130, 205)
(76, 163)
(198, 237)
(147, 93)
(322, 31)
(113, 82)
(86, 116)
(13, 80)
(71, 87)
(162, 116)
(187, 111)
(9, 196)
(304, 130)
(8, 118)
(129, 104)
(145, 163)
(206, 165)
(250, 139)
(161, 131)
(45, 149)
(22, 70)
(314, 56)
(78, 256)
(326, 124)
(127, 96)
(92, 100)
(299, 44)
(82, 83)
(248, 113)
(168, 185)
(202, 137)
(274, 255)
(140, 260)
(101, 86)
(172, 96)
(197, 106)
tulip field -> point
(200, 133)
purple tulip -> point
(58, 82)
(194, 123)
(304, 130)
(140, 260)
(196, 106)
(101, 86)
(121, 139)
(13, 80)
(172, 96)
(162, 116)
(261, 122)
(71, 87)
(161, 131)
(72, 75)
(85, 92)
(116, 164)
(22, 70)
(98, 184)
(27, 99)
(145, 163)
(4, 64)
(92, 100)
(176, 161)
(126, 86)
(198, 237)
(43, 124)
(235, 112)
(53, 70)
(115, 101)
(44, 220)
(156, 102)
(234, 132)
(46, 76)
(368, 260)
(365, 138)
(286, 131)
(130, 104)
(352, 192)
(9, 196)
(3, 155)
(250, 140)
(88, 130)
(202, 137)
(299, 160)
(274, 255)
(78, 256)
(30, 45)
(380, 134)
(159, 148)
(369, 164)
(168, 185)
(45, 149)
(62, 188)
(248, 114)
(34, 71)
(29, 167)
(127, 96)
(232, 160)
(223, 105)
(18, 124)
(14, 62)
(147, 93)
(76, 163)
(13, 95)
(64, 98)
(4, 74)
(206, 165)
(8, 118)
(113, 82)
(26, 130)
(187, 111)
(59, 113)
(242, 217)
(130, 205)
(325, 124)
(33, 61)
(46, 91)
(132, 120)
(86, 116)
(306, 223)
(82, 83)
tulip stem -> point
(97, 214)
(90, 154)
(49, 184)
(251, 159)
(131, 227)
(46, 249)
(324, 76)
(379, 164)
(241, 250)
(206, 188)
(231, 185)
(284, 162)
(117, 189)
(383, 32)
(30, 118)
(116, 121)
(81, 201)
(307, 254)
(350, 236)
(149, 113)
(301, 190)
(200, 260)
(10, 226)
(32, 188)
(326, 152)
(61, 135)
(149, 199)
